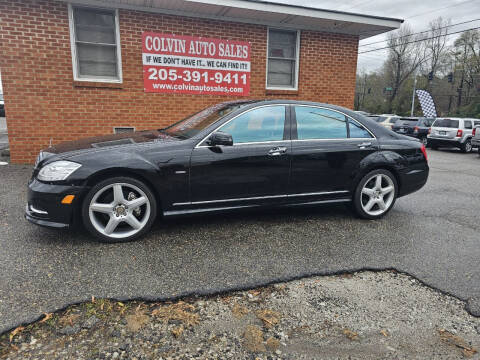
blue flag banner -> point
(427, 104)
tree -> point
(437, 54)
(406, 54)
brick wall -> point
(44, 104)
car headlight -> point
(57, 170)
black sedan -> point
(233, 155)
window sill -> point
(281, 91)
(98, 84)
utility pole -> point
(414, 90)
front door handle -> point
(364, 145)
(277, 151)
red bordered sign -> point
(195, 65)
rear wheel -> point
(375, 194)
(119, 209)
(467, 146)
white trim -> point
(373, 25)
(297, 60)
(73, 47)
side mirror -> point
(220, 138)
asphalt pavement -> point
(432, 235)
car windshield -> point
(193, 124)
(446, 123)
(380, 118)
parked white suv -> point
(451, 132)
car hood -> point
(107, 141)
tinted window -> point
(257, 125)
(468, 124)
(315, 123)
(445, 123)
(357, 130)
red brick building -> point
(83, 68)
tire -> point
(361, 200)
(119, 209)
(424, 141)
(467, 146)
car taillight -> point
(459, 133)
(424, 151)
(415, 129)
(474, 131)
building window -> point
(282, 62)
(95, 44)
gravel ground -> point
(359, 316)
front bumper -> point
(45, 208)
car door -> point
(327, 148)
(255, 169)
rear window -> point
(425, 122)
(447, 123)
(468, 124)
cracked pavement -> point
(432, 235)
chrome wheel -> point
(468, 146)
(119, 210)
(377, 195)
(424, 141)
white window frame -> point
(73, 47)
(297, 60)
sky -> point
(416, 13)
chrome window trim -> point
(198, 145)
(260, 197)
(244, 112)
(339, 112)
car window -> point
(257, 125)
(393, 120)
(316, 123)
(357, 131)
(448, 123)
(467, 124)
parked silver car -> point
(451, 132)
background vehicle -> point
(233, 155)
(416, 127)
(451, 132)
(2, 106)
(387, 120)
(364, 113)
(476, 136)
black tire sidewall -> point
(357, 195)
(120, 179)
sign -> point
(195, 65)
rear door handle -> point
(277, 151)
(364, 145)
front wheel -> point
(119, 209)
(375, 194)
